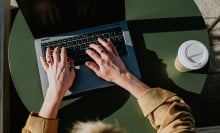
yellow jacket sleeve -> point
(167, 112)
(36, 124)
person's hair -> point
(95, 127)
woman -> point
(166, 111)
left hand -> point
(61, 75)
(60, 72)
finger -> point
(71, 65)
(97, 48)
(44, 63)
(94, 56)
(63, 55)
(72, 74)
(107, 45)
(93, 66)
(49, 58)
(114, 50)
(71, 61)
(72, 70)
(56, 56)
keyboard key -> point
(77, 45)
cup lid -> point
(193, 54)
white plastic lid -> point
(193, 54)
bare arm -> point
(61, 75)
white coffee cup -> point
(192, 55)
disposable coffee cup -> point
(192, 55)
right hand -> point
(108, 64)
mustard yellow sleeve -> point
(167, 112)
(36, 124)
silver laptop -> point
(76, 42)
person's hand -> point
(108, 64)
(61, 75)
(60, 71)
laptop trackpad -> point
(86, 80)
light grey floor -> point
(210, 10)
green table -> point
(157, 29)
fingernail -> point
(86, 63)
(87, 50)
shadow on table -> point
(94, 105)
(152, 69)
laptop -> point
(76, 39)
(76, 42)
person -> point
(166, 111)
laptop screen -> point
(50, 17)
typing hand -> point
(60, 72)
(108, 64)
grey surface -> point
(210, 107)
(210, 10)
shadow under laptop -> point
(93, 105)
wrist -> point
(50, 107)
(55, 94)
(51, 104)
(123, 79)
(52, 98)
(133, 85)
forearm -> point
(133, 85)
(50, 106)
(49, 111)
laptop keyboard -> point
(76, 45)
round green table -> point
(157, 29)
